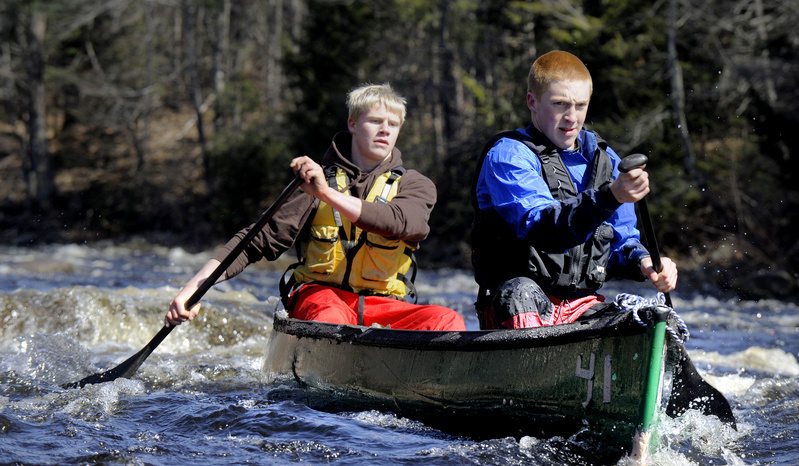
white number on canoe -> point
(588, 375)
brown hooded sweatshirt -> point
(404, 218)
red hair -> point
(556, 66)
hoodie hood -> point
(339, 154)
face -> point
(561, 110)
(374, 135)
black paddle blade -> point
(109, 375)
(127, 368)
(690, 391)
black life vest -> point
(498, 254)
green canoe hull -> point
(601, 379)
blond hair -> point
(556, 66)
(360, 100)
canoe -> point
(598, 380)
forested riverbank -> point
(174, 121)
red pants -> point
(563, 312)
(327, 304)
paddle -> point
(688, 389)
(129, 367)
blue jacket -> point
(510, 184)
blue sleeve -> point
(510, 182)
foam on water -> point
(697, 439)
(46, 358)
(772, 361)
(104, 399)
(381, 419)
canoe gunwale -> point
(617, 324)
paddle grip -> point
(632, 161)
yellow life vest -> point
(338, 253)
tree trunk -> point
(141, 141)
(221, 63)
(39, 163)
(678, 98)
(442, 77)
(189, 19)
(678, 108)
(275, 56)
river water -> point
(67, 311)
